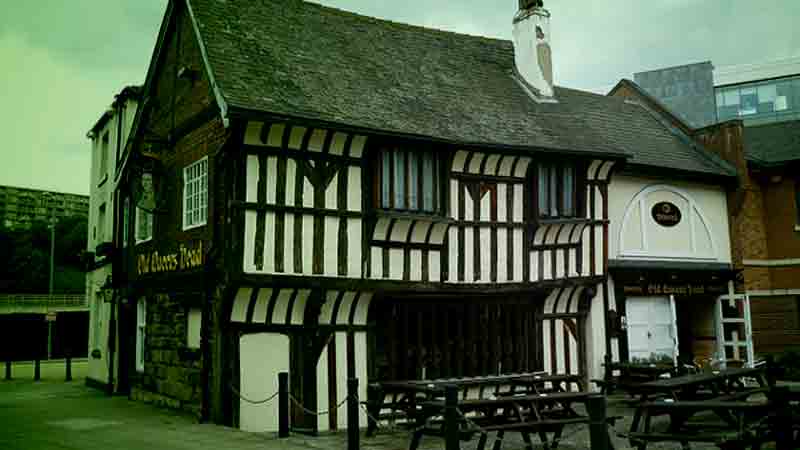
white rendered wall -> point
(701, 236)
(261, 357)
(98, 324)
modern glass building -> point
(758, 102)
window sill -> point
(564, 221)
(192, 227)
(389, 214)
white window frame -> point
(149, 235)
(195, 194)
(141, 332)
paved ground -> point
(52, 415)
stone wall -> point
(172, 372)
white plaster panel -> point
(354, 189)
(308, 244)
(434, 265)
(288, 243)
(502, 202)
(377, 262)
(357, 147)
(249, 241)
(296, 137)
(308, 193)
(459, 159)
(486, 255)
(702, 234)
(354, 248)
(502, 256)
(291, 175)
(518, 202)
(416, 265)
(272, 170)
(252, 178)
(337, 143)
(317, 141)
(275, 137)
(331, 193)
(262, 356)
(330, 258)
(281, 306)
(396, 264)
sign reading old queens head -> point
(666, 214)
(156, 262)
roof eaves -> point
(218, 94)
(244, 113)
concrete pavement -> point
(54, 415)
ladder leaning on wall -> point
(728, 329)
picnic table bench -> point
(536, 413)
(399, 400)
(627, 376)
(724, 393)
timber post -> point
(37, 370)
(598, 428)
(352, 414)
(451, 418)
(8, 369)
(68, 376)
(283, 404)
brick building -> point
(21, 207)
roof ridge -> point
(410, 26)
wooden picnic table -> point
(402, 397)
(723, 392)
(538, 413)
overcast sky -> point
(63, 60)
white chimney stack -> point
(532, 46)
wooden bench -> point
(397, 401)
(628, 376)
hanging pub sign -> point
(185, 258)
(666, 214)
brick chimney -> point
(532, 46)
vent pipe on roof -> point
(532, 46)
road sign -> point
(51, 316)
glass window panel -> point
(749, 99)
(413, 181)
(731, 96)
(400, 180)
(428, 181)
(783, 96)
(569, 180)
(766, 98)
(386, 169)
(543, 190)
(795, 103)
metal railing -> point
(51, 301)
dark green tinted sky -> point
(63, 60)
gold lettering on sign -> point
(672, 289)
(185, 258)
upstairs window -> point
(557, 188)
(195, 194)
(101, 223)
(103, 157)
(141, 329)
(144, 225)
(408, 181)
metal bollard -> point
(69, 368)
(283, 404)
(37, 370)
(598, 428)
(451, 418)
(8, 369)
(352, 414)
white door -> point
(651, 328)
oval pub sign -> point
(666, 214)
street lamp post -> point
(52, 268)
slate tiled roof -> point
(773, 143)
(298, 59)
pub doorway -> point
(427, 338)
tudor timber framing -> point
(304, 181)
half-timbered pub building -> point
(333, 195)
